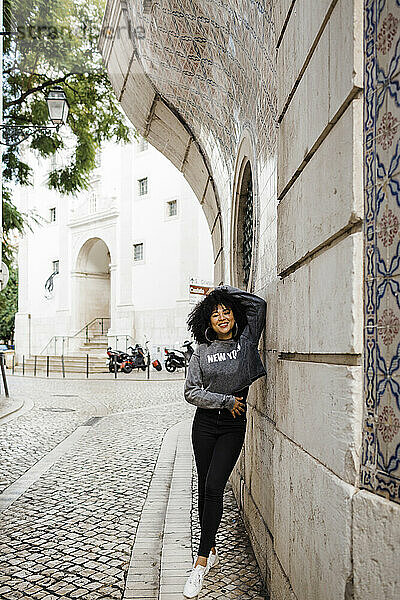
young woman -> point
(227, 325)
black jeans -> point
(217, 439)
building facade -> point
(122, 252)
(283, 117)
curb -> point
(161, 557)
(11, 407)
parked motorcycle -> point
(177, 359)
(115, 359)
(136, 359)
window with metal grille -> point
(138, 251)
(242, 242)
(56, 266)
(172, 207)
(52, 215)
(143, 186)
(247, 246)
(143, 145)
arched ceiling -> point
(191, 75)
(212, 61)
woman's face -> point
(222, 321)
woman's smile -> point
(222, 321)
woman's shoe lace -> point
(196, 575)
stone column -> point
(113, 299)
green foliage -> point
(9, 306)
(60, 51)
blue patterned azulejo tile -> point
(380, 471)
(388, 426)
(387, 40)
(370, 25)
(388, 316)
(387, 129)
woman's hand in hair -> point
(238, 407)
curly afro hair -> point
(199, 318)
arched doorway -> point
(93, 282)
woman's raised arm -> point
(255, 308)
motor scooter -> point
(178, 359)
(115, 359)
(135, 360)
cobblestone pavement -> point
(60, 406)
(71, 533)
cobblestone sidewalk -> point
(87, 505)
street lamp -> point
(58, 108)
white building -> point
(119, 256)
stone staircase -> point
(96, 345)
(85, 351)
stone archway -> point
(157, 121)
(92, 296)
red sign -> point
(199, 290)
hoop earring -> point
(205, 335)
(237, 329)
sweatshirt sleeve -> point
(197, 395)
(255, 311)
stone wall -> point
(280, 85)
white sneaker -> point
(212, 561)
(194, 582)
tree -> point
(9, 306)
(55, 44)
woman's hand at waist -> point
(239, 407)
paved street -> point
(96, 496)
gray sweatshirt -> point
(220, 369)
